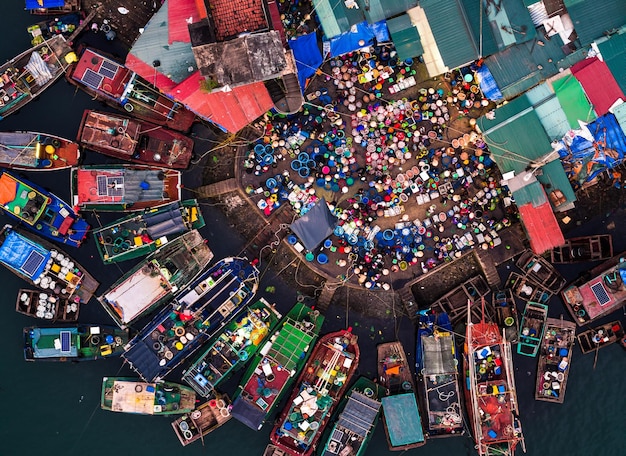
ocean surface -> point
(53, 408)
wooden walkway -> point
(408, 301)
(325, 298)
(489, 268)
(84, 23)
(218, 188)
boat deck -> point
(505, 314)
(587, 248)
(47, 306)
(129, 396)
(204, 419)
(532, 328)
(602, 336)
(37, 151)
(403, 425)
(393, 368)
(554, 359)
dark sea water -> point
(53, 408)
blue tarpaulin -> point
(308, 56)
(488, 84)
(17, 251)
(359, 36)
(381, 32)
(34, 4)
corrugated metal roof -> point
(405, 37)
(592, 18)
(573, 100)
(178, 13)
(473, 11)
(553, 178)
(620, 114)
(530, 194)
(613, 52)
(377, 10)
(541, 227)
(549, 111)
(599, 84)
(510, 23)
(335, 17)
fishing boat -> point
(538, 269)
(73, 343)
(128, 395)
(490, 394)
(319, 388)
(532, 328)
(41, 264)
(64, 25)
(232, 348)
(401, 416)
(200, 422)
(157, 279)
(47, 306)
(585, 248)
(30, 151)
(25, 77)
(134, 140)
(273, 369)
(357, 416)
(602, 336)
(437, 370)
(527, 289)
(49, 7)
(192, 318)
(505, 313)
(139, 234)
(554, 359)
(124, 188)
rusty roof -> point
(232, 18)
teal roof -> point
(549, 110)
(531, 193)
(377, 10)
(620, 114)
(511, 24)
(554, 178)
(613, 53)
(402, 419)
(592, 18)
(473, 11)
(335, 17)
(405, 37)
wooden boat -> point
(357, 416)
(41, 211)
(134, 140)
(602, 336)
(532, 328)
(205, 418)
(599, 292)
(139, 234)
(30, 151)
(41, 264)
(64, 25)
(232, 348)
(192, 318)
(157, 279)
(25, 77)
(108, 80)
(124, 188)
(319, 388)
(505, 313)
(73, 343)
(128, 395)
(273, 369)
(50, 7)
(585, 248)
(436, 368)
(490, 394)
(538, 269)
(401, 416)
(554, 359)
(527, 289)
(454, 303)
(47, 306)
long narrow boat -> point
(401, 416)
(505, 313)
(490, 394)
(157, 279)
(31, 151)
(41, 211)
(320, 386)
(527, 289)
(192, 318)
(437, 369)
(604, 335)
(139, 234)
(540, 270)
(554, 358)
(586, 248)
(41, 264)
(532, 328)
(357, 416)
(47, 306)
(124, 188)
(49, 7)
(73, 343)
(134, 140)
(107, 80)
(232, 348)
(26, 76)
(273, 370)
(205, 418)
(129, 395)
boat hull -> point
(204, 419)
(46, 306)
(554, 359)
(532, 328)
(128, 395)
(32, 151)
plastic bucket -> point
(291, 239)
(296, 165)
(303, 172)
(322, 258)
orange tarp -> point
(393, 370)
(8, 187)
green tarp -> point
(573, 101)
(405, 37)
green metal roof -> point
(554, 178)
(510, 24)
(405, 37)
(335, 17)
(377, 10)
(473, 11)
(549, 110)
(531, 193)
(573, 100)
(592, 18)
(613, 53)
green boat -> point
(230, 351)
(128, 395)
(532, 327)
(357, 416)
(273, 370)
(137, 235)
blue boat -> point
(41, 211)
(195, 315)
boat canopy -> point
(438, 355)
(402, 419)
(160, 224)
(359, 414)
(8, 187)
(54, 342)
(36, 4)
(23, 255)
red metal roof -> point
(599, 84)
(149, 73)
(232, 18)
(178, 14)
(542, 227)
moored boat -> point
(319, 388)
(527, 289)
(41, 264)
(134, 140)
(192, 318)
(602, 336)
(554, 358)
(157, 279)
(123, 188)
(505, 313)
(532, 328)
(73, 343)
(237, 343)
(538, 269)
(41, 211)
(64, 25)
(200, 422)
(129, 395)
(274, 368)
(139, 234)
(31, 151)
(586, 248)
(50, 7)
(401, 416)
(47, 306)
